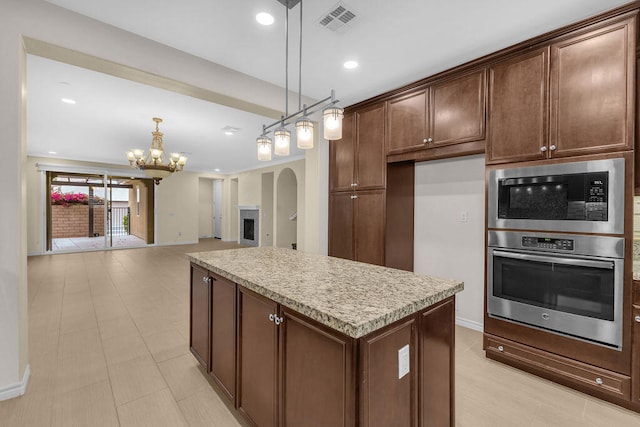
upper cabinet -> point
(571, 98)
(358, 161)
(443, 113)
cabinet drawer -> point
(588, 378)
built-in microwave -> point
(585, 197)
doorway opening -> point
(93, 212)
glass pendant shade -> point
(282, 139)
(304, 133)
(264, 148)
(333, 122)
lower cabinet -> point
(200, 301)
(281, 368)
(635, 353)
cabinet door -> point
(635, 354)
(257, 359)
(341, 225)
(200, 315)
(436, 406)
(592, 91)
(368, 225)
(407, 122)
(341, 157)
(223, 334)
(457, 110)
(518, 110)
(371, 160)
(317, 374)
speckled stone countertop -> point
(636, 260)
(351, 297)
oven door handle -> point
(609, 265)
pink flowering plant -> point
(67, 199)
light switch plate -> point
(403, 361)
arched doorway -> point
(287, 210)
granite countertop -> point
(636, 260)
(352, 297)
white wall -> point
(205, 207)
(444, 245)
(266, 210)
(286, 207)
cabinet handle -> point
(206, 279)
(599, 381)
(354, 184)
(279, 320)
(272, 317)
(552, 148)
(637, 319)
(500, 348)
(543, 148)
(354, 196)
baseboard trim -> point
(192, 242)
(470, 324)
(17, 389)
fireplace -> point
(249, 226)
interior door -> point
(217, 209)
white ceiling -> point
(395, 42)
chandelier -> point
(156, 165)
(332, 113)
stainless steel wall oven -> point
(564, 283)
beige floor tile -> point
(79, 343)
(81, 370)
(183, 376)
(206, 409)
(598, 413)
(124, 347)
(155, 410)
(134, 379)
(88, 406)
(116, 327)
(109, 308)
(167, 344)
(72, 322)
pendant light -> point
(304, 126)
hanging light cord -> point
(286, 62)
(300, 63)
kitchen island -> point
(299, 339)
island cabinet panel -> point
(223, 334)
(437, 360)
(200, 316)
(388, 397)
(257, 359)
(445, 113)
(342, 157)
(317, 374)
(518, 112)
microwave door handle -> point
(556, 260)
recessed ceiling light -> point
(52, 152)
(68, 101)
(350, 65)
(264, 18)
(216, 170)
(228, 132)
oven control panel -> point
(547, 243)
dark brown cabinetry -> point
(212, 331)
(223, 334)
(443, 113)
(572, 97)
(200, 332)
(257, 358)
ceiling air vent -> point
(339, 18)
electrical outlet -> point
(403, 361)
(464, 216)
(179, 233)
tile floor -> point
(74, 244)
(108, 337)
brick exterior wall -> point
(73, 221)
